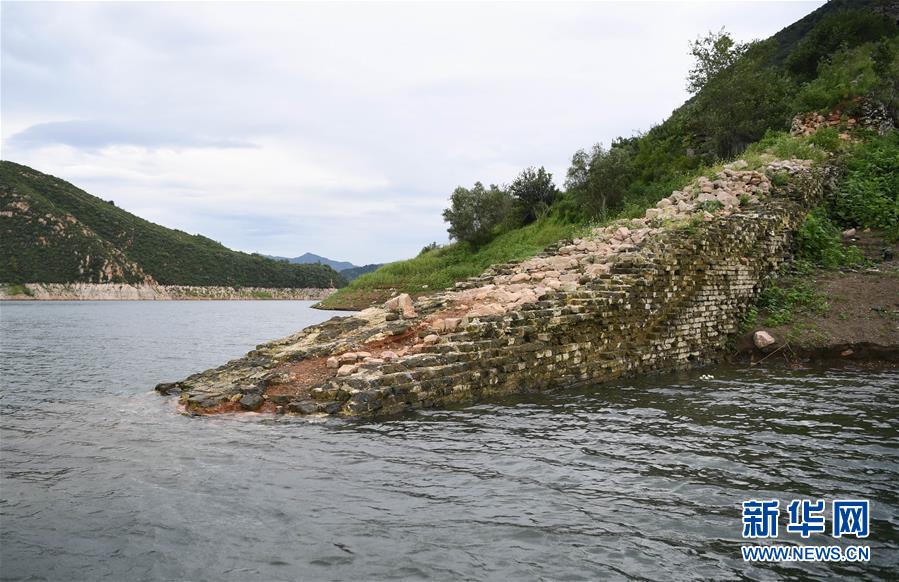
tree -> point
(740, 103)
(598, 180)
(534, 192)
(474, 214)
(713, 53)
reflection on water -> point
(102, 479)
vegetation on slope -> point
(745, 95)
(53, 232)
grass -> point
(784, 300)
(441, 268)
(18, 289)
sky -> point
(336, 128)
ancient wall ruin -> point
(664, 294)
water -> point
(103, 480)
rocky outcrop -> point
(147, 292)
(658, 293)
(867, 113)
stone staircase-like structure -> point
(660, 293)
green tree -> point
(599, 179)
(714, 53)
(475, 213)
(534, 193)
(737, 106)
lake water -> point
(102, 479)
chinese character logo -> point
(850, 518)
(806, 517)
(760, 518)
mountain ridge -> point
(54, 232)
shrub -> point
(818, 241)
(846, 74)
(432, 246)
(827, 138)
(868, 194)
(846, 29)
(782, 303)
(474, 214)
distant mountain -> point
(353, 273)
(53, 232)
(345, 268)
(311, 259)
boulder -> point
(432, 339)
(727, 199)
(333, 362)
(303, 407)
(762, 339)
(251, 401)
(519, 278)
(346, 370)
(401, 304)
(388, 355)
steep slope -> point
(53, 232)
(356, 272)
(839, 60)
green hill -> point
(53, 232)
(839, 60)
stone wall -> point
(148, 292)
(664, 294)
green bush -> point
(783, 302)
(868, 194)
(782, 145)
(846, 74)
(819, 242)
(845, 29)
(827, 138)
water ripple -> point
(643, 480)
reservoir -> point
(103, 479)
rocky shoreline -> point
(147, 292)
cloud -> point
(93, 135)
(335, 128)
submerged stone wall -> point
(664, 294)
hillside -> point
(53, 232)
(840, 61)
(354, 273)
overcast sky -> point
(338, 129)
